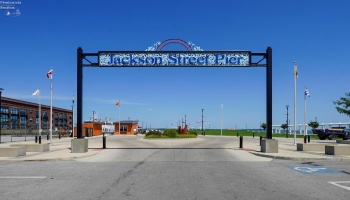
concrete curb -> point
(54, 158)
(277, 157)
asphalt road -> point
(181, 169)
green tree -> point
(263, 125)
(284, 126)
(314, 124)
(343, 104)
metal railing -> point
(14, 132)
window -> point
(14, 111)
(123, 128)
(45, 117)
(31, 119)
(4, 118)
(30, 112)
(23, 111)
(14, 119)
(23, 119)
(4, 109)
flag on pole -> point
(73, 99)
(49, 74)
(296, 71)
(36, 93)
(307, 92)
(118, 103)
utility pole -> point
(202, 121)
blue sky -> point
(314, 33)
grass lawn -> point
(247, 133)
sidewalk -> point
(288, 151)
(60, 149)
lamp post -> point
(1, 89)
(202, 121)
(287, 106)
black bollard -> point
(253, 135)
(241, 142)
(39, 139)
(260, 140)
(59, 136)
(308, 138)
(237, 134)
(204, 133)
(304, 138)
(47, 136)
(36, 139)
(104, 142)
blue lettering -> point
(158, 60)
(185, 58)
(125, 61)
(201, 60)
(116, 60)
(179, 60)
(141, 61)
(192, 60)
(132, 60)
(149, 58)
(219, 57)
(172, 59)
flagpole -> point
(304, 110)
(39, 115)
(73, 118)
(119, 116)
(295, 102)
(51, 108)
(221, 118)
(72, 123)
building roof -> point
(6, 99)
(127, 122)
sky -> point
(313, 33)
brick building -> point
(18, 114)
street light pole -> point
(202, 121)
(1, 89)
(287, 122)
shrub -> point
(170, 133)
(153, 133)
(186, 136)
(193, 132)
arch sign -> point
(193, 56)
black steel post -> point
(39, 139)
(241, 142)
(103, 140)
(36, 139)
(308, 138)
(304, 138)
(260, 140)
(287, 122)
(79, 92)
(269, 92)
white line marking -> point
(22, 177)
(342, 186)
